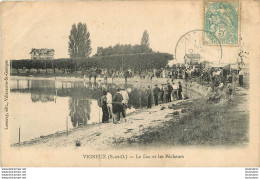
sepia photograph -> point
(130, 83)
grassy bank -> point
(206, 123)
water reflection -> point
(80, 106)
(52, 103)
(42, 91)
(48, 91)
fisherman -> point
(149, 97)
(105, 78)
(229, 90)
(109, 103)
(174, 91)
(156, 91)
(240, 78)
(95, 75)
(180, 91)
(126, 74)
(162, 93)
(165, 93)
(103, 103)
(124, 101)
(170, 89)
(90, 76)
(117, 106)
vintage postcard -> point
(130, 83)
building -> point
(42, 54)
(192, 59)
(178, 65)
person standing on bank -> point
(166, 93)
(240, 78)
(170, 89)
(156, 91)
(90, 76)
(149, 97)
(109, 103)
(126, 74)
(95, 76)
(103, 102)
(229, 90)
(162, 93)
(175, 91)
(180, 91)
(124, 101)
(117, 106)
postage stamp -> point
(221, 22)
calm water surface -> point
(42, 107)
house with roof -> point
(42, 54)
(192, 59)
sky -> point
(28, 25)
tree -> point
(145, 39)
(122, 49)
(79, 41)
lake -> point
(42, 107)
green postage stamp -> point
(221, 22)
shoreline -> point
(168, 123)
(64, 133)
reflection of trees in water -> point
(45, 90)
(42, 97)
(79, 111)
(42, 91)
(80, 107)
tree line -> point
(133, 61)
(122, 49)
(137, 57)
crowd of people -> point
(166, 93)
(202, 75)
(217, 80)
(113, 107)
(223, 83)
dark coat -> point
(156, 91)
(117, 103)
